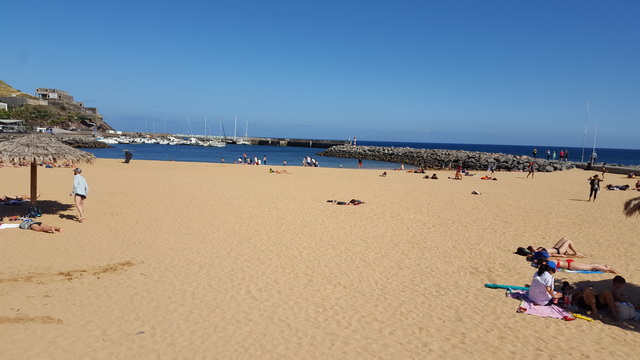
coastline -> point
(187, 260)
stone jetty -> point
(76, 141)
(440, 159)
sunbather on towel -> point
(560, 249)
(15, 198)
(570, 264)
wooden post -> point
(34, 183)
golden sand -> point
(214, 261)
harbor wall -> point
(445, 159)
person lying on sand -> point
(271, 171)
(618, 187)
(7, 198)
(30, 224)
(594, 300)
(570, 264)
(560, 249)
(351, 202)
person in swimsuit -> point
(561, 249)
(30, 224)
(570, 264)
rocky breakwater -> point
(76, 141)
(439, 159)
(81, 142)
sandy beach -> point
(184, 260)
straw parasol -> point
(39, 148)
(632, 207)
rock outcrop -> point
(438, 159)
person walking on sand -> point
(532, 169)
(79, 192)
(594, 182)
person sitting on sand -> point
(30, 224)
(541, 290)
(560, 249)
(434, 176)
(384, 174)
(618, 187)
(593, 300)
(570, 264)
(637, 186)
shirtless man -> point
(590, 299)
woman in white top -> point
(541, 290)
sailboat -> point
(244, 141)
(219, 142)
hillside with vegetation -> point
(64, 116)
(7, 90)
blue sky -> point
(490, 72)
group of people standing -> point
(551, 155)
(308, 161)
(248, 160)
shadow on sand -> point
(46, 206)
(630, 289)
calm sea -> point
(276, 155)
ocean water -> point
(276, 155)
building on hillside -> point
(19, 101)
(54, 94)
(12, 125)
(3, 106)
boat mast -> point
(235, 126)
(584, 138)
(593, 151)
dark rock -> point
(438, 159)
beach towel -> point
(526, 306)
(8, 226)
(582, 271)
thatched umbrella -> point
(39, 148)
(632, 207)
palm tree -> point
(632, 207)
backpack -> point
(33, 212)
(523, 252)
